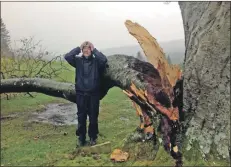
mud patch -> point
(9, 117)
(57, 114)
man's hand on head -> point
(79, 48)
(91, 46)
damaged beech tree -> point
(156, 88)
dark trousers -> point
(87, 105)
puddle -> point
(57, 114)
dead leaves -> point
(119, 156)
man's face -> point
(86, 51)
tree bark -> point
(207, 76)
(40, 85)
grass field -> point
(19, 146)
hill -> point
(175, 49)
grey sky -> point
(64, 25)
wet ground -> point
(57, 114)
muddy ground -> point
(57, 114)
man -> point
(89, 69)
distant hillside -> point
(175, 49)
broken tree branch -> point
(123, 71)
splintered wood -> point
(145, 96)
(169, 73)
(138, 92)
(145, 120)
(154, 53)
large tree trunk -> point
(207, 76)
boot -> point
(92, 142)
(81, 142)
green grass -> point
(27, 104)
(18, 146)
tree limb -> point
(123, 71)
(40, 85)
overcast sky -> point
(64, 25)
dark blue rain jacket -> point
(89, 71)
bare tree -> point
(30, 60)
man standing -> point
(89, 69)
